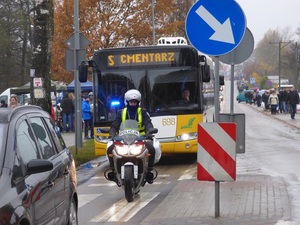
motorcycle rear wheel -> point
(128, 183)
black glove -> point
(149, 136)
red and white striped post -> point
(216, 156)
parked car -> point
(241, 97)
(37, 172)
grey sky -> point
(263, 15)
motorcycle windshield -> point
(129, 131)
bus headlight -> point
(187, 136)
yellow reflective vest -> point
(139, 119)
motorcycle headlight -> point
(136, 149)
(132, 150)
(187, 136)
(121, 149)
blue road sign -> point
(215, 27)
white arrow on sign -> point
(223, 32)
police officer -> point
(132, 110)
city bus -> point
(160, 73)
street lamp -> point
(279, 58)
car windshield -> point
(2, 138)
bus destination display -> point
(141, 59)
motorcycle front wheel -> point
(128, 183)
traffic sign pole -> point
(215, 28)
(217, 119)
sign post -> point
(76, 43)
(215, 28)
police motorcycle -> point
(131, 157)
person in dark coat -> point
(292, 100)
(283, 96)
(68, 109)
(3, 104)
(265, 99)
(258, 99)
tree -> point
(265, 59)
(14, 42)
(114, 23)
(42, 41)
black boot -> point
(149, 177)
(111, 176)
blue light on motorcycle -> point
(115, 103)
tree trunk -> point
(42, 42)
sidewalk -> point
(286, 118)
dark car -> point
(37, 172)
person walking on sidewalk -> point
(273, 101)
(87, 117)
(292, 100)
(283, 95)
(68, 109)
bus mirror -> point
(83, 72)
(205, 72)
(221, 80)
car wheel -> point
(73, 218)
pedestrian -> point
(53, 115)
(91, 96)
(87, 118)
(258, 99)
(265, 99)
(273, 101)
(283, 96)
(292, 100)
(3, 104)
(13, 101)
(68, 109)
(72, 96)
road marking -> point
(186, 177)
(96, 178)
(103, 185)
(122, 211)
(114, 184)
(84, 199)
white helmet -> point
(132, 94)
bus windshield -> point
(161, 91)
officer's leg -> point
(110, 159)
(151, 149)
(111, 175)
